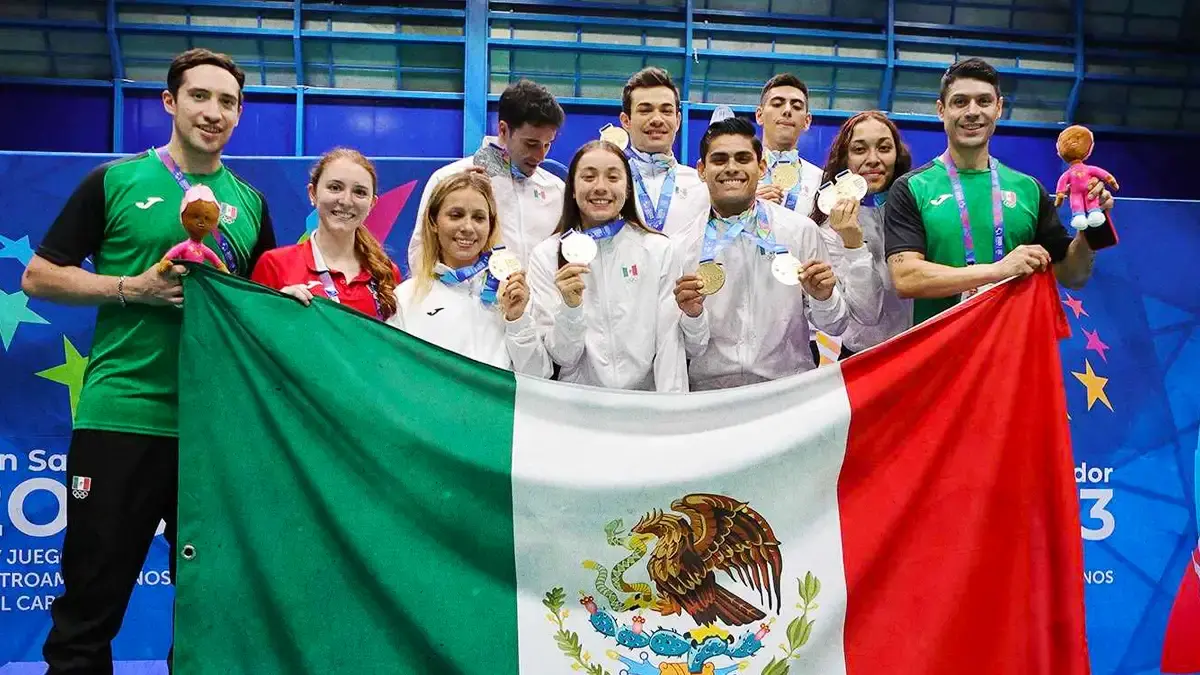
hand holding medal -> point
(504, 265)
(689, 295)
(579, 250)
(846, 185)
(844, 221)
(514, 296)
(817, 279)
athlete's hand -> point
(156, 286)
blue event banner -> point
(1129, 369)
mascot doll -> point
(198, 212)
(1075, 144)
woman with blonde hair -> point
(604, 285)
(460, 297)
(341, 261)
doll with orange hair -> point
(1075, 145)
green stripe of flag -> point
(323, 492)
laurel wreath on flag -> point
(800, 629)
(568, 640)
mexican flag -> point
(354, 500)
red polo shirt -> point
(296, 264)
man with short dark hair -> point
(123, 461)
(669, 196)
(964, 220)
(783, 113)
(750, 268)
(528, 198)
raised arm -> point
(832, 314)
(1073, 258)
(561, 328)
(858, 279)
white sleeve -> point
(857, 277)
(670, 360)
(525, 348)
(695, 333)
(831, 315)
(694, 329)
(397, 319)
(414, 242)
(560, 328)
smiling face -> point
(600, 186)
(969, 112)
(731, 169)
(872, 153)
(463, 226)
(206, 108)
(783, 115)
(344, 194)
(653, 119)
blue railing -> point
(719, 55)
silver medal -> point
(579, 248)
(786, 269)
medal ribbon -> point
(222, 242)
(656, 217)
(997, 210)
(761, 234)
(600, 232)
(491, 284)
(331, 290)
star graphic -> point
(1094, 384)
(14, 312)
(17, 250)
(1094, 343)
(1076, 305)
(70, 372)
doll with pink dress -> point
(199, 213)
(1075, 145)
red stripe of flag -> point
(960, 519)
(1181, 647)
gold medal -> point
(785, 176)
(713, 277)
(615, 135)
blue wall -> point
(80, 120)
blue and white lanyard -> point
(656, 216)
(491, 285)
(761, 235)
